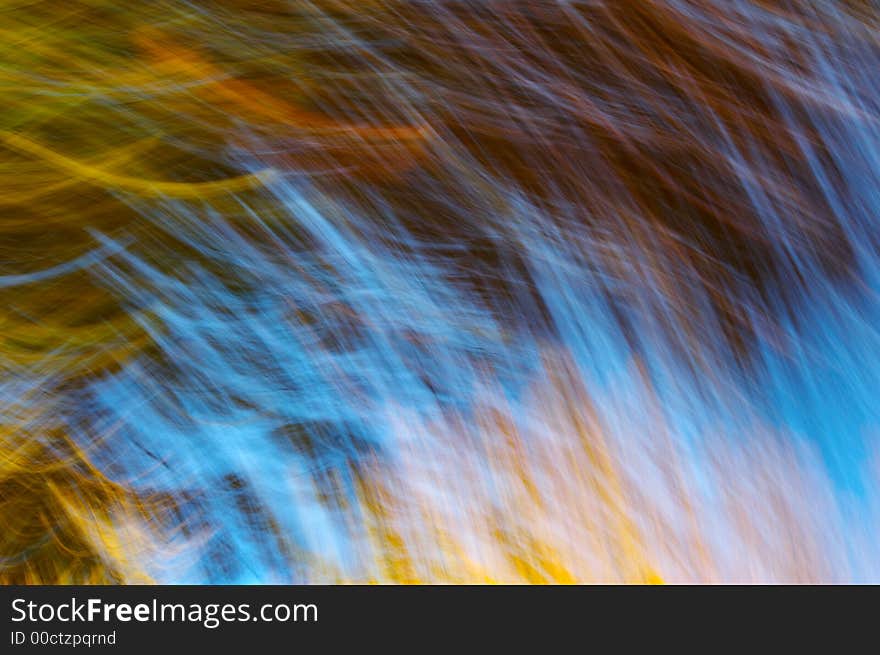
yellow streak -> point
(142, 187)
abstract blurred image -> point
(439, 291)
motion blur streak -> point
(470, 291)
